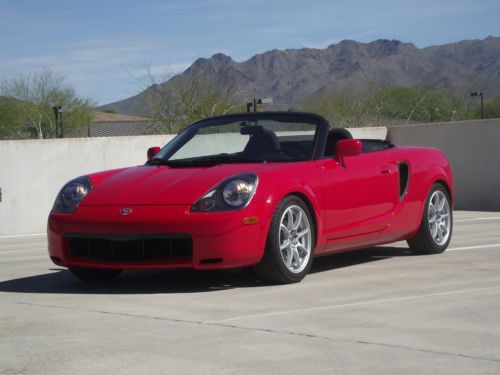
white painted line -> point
(363, 303)
(23, 235)
(477, 219)
(5, 252)
(474, 247)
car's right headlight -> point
(233, 193)
(71, 195)
(237, 192)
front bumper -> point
(219, 240)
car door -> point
(359, 195)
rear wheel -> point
(290, 243)
(434, 234)
(94, 274)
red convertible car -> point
(270, 190)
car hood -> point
(159, 184)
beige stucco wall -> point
(473, 148)
(33, 171)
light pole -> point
(256, 102)
(58, 111)
(480, 94)
(434, 110)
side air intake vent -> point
(404, 178)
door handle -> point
(386, 169)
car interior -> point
(369, 145)
(334, 136)
(262, 141)
(265, 142)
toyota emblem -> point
(125, 211)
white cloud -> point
(162, 69)
(96, 66)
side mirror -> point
(346, 148)
(152, 151)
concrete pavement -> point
(379, 311)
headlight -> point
(232, 194)
(237, 192)
(71, 195)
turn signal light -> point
(251, 220)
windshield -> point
(246, 138)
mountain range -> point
(293, 76)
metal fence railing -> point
(119, 128)
(96, 129)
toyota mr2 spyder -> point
(270, 190)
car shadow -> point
(352, 258)
(60, 281)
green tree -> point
(345, 107)
(391, 105)
(491, 109)
(30, 100)
(9, 117)
(184, 101)
(412, 105)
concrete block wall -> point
(473, 149)
(33, 171)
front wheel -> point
(434, 234)
(290, 243)
(94, 274)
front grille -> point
(130, 248)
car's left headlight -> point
(232, 194)
(71, 195)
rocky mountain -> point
(292, 76)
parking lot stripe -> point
(353, 304)
(221, 324)
(474, 247)
(477, 219)
(23, 235)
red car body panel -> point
(355, 204)
(356, 200)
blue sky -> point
(104, 46)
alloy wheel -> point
(439, 217)
(295, 238)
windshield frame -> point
(190, 131)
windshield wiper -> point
(158, 161)
(213, 160)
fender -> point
(435, 173)
(299, 186)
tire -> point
(434, 234)
(94, 274)
(290, 243)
